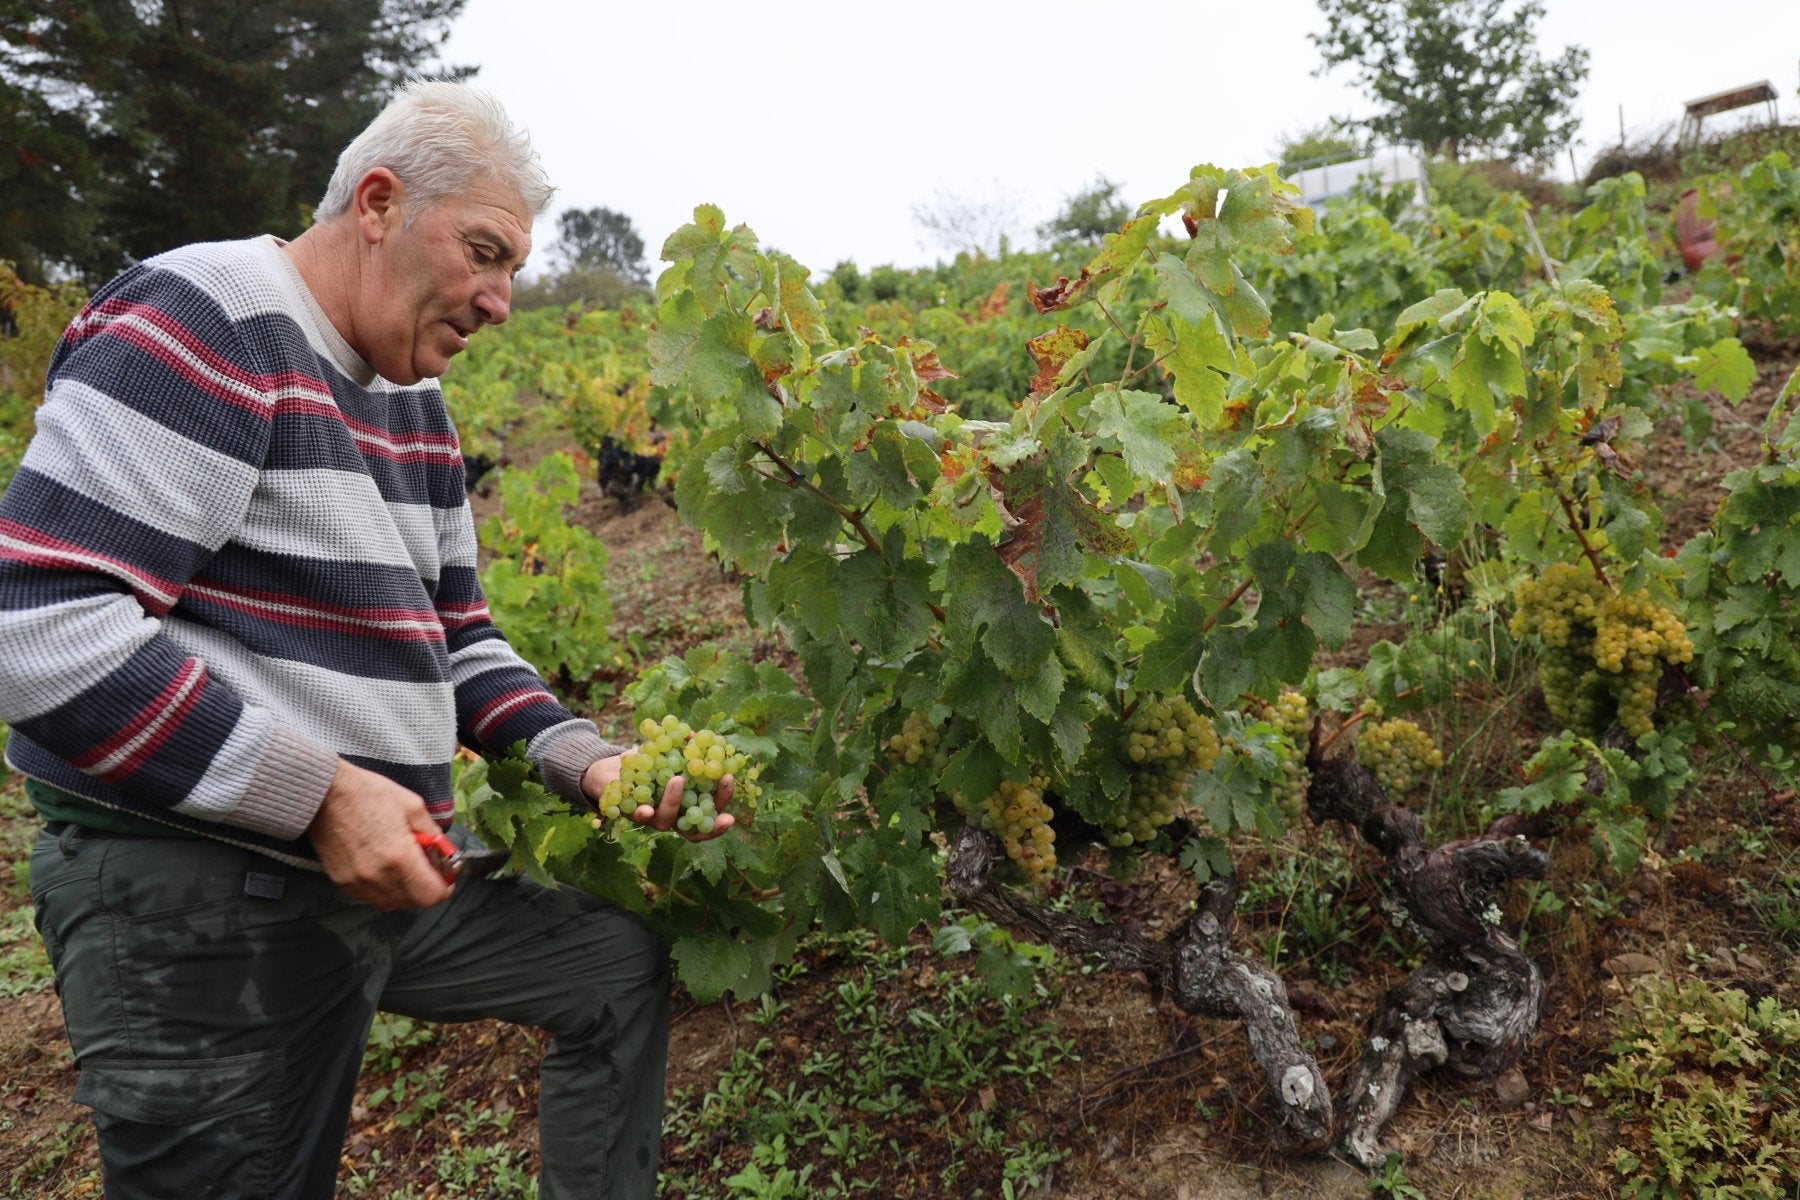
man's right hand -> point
(363, 834)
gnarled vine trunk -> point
(1475, 1003)
(1196, 965)
(1472, 1008)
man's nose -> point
(494, 303)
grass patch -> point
(920, 1083)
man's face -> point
(440, 279)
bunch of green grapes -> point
(1165, 742)
(1291, 714)
(1018, 813)
(1397, 753)
(1603, 653)
(670, 748)
(918, 741)
(1634, 638)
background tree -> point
(600, 237)
(968, 222)
(151, 125)
(1088, 215)
(1456, 75)
(1323, 141)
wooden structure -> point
(1723, 102)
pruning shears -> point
(477, 862)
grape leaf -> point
(803, 582)
(1724, 367)
(883, 600)
(895, 885)
(985, 605)
(1328, 598)
(709, 964)
(1176, 649)
(1147, 430)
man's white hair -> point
(440, 137)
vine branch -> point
(1587, 547)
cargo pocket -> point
(190, 1128)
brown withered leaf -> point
(995, 304)
(1052, 350)
(1061, 294)
(1602, 431)
(1019, 551)
(925, 362)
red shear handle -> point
(441, 851)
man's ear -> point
(376, 202)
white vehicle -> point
(1321, 179)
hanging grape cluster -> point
(1019, 815)
(1602, 653)
(1291, 714)
(1398, 753)
(1165, 742)
(670, 748)
(919, 740)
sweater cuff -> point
(289, 785)
(563, 753)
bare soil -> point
(1159, 1104)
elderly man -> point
(241, 633)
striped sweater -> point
(233, 554)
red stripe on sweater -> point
(142, 720)
(394, 624)
(400, 446)
(117, 310)
(256, 393)
(504, 705)
(125, 319)
(41, 550)
(142, 755)
(456, 616)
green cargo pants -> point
(218, 1003)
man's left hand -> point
(662, 816)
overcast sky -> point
(824, 124)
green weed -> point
(1705, 1084)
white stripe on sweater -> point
(489, 654)
(167, 481)
(456, 536)
(59, 651)
(333, 515)
(229, 774)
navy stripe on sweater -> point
(46, 525)
(174, 716)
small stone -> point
(1327, 1041)
(1542, 1121)
(1722, 955)
(1510, 1089)
(1750, 964)
(1631, 963)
